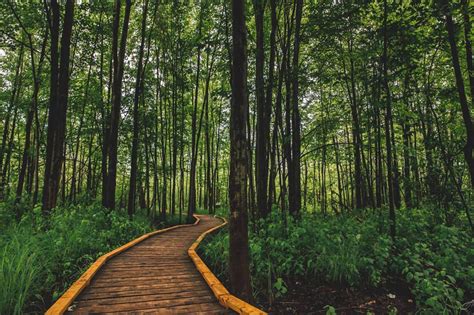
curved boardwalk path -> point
(154, 276)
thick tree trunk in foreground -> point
(238, 229)
(58, 103)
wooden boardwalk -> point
(153, 276)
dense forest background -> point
(115, 119)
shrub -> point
(355, 250)
(41, 257)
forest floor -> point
(304, 297)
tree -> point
(263, 117)
(388, 123)
(111, 138)
(238, 230)
(194, 133)
(136, 121)
(295, 170)
(59, 92)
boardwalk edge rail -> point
(63, 303)
(222, 294)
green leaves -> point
(330, 310)
(280, 287)
(433, 259)
(434, 264)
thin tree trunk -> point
(16, 88)
(295, 189)
(261, 161)
(136, 116)
(118, 67)
(388, 121)
(192, 175)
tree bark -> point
(58, 103)
(388, 122)
(192, 174)
(238, 229)
(295, 189)
(118, 68)
(261, 160)
(136, 116)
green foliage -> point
(437, 261)
(41, 257)
(20, 270)
(330, 310)
(356, 251)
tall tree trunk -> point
(192, 174)
(136, 122)
(261, 161)
(295, 189)
(360, 201)
(239, 260)
(58, 103)
(118, 68)
(73, 191)
(388, 122)
(269, 102)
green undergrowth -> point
(219, 211)
(41, 257)
(434, 260)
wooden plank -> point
(67, 298)
(128, 307)
(146, 264)
(133, 299)
(197, 309)
(144, 275)
(144, 290)
(102, 284)
(132, 288)
(134, 269)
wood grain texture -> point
(152, 274)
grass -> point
(41, 257)
(21, 270)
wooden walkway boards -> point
(153, 276)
